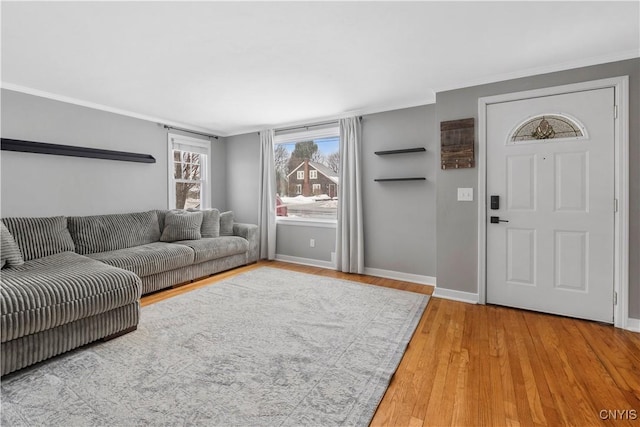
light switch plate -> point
(465, 194)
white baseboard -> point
(306, 261)
(454, 295)
(389, 274)
(398, 275)
(633, 325)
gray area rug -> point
(267, 347)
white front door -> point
(556, 190)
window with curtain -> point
(307, 174)
(189, 185)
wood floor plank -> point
(477, 365)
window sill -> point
(307, 222)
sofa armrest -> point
(249, 232)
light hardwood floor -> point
(475, 365)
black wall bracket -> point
(72, 151)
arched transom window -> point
(548, 126)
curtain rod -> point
(332, 122)
(190, 131)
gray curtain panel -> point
(350, 234)
(267, 197)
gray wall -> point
(457, 223)
(399, 218)
(243, 152)
(243, 156)
(294, 240)
(45, 185)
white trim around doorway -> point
(621, 165)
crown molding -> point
(101, 107)
(529, 72)
(429, 98)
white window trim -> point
(313, 174)
(205, 196)
(294, 137)
(307, 222)
(299, 174)
(307, 134)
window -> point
(547, 127)
(299, 158)
(188, 172)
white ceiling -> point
(235, 67)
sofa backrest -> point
(102, 233)
(40, 237)
(162, 213)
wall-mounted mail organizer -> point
(72, 151)
(457, 138)
(401, 151)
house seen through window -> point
(188, 173)
(307, 177)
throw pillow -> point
(181, 225)
(40, 237)
(210, 222)
(226, 223)
(9, 251)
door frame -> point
(621, 183)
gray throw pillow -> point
(40, 237)
(9, 251)
(181, 225)
(210, 222)
(226, 223)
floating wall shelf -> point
(73, 151)
(417, 178)
(401, 151)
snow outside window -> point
(318, 153)
(188, 173)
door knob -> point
(496, 220)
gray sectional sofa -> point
(68, 281)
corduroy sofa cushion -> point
(181, 225)
(145, 260)
(226, 223)
(102, 233)
(217, 247)
(40, 237)
(210, 222)
(9, 251)
(47, 292)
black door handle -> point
(496, 220)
